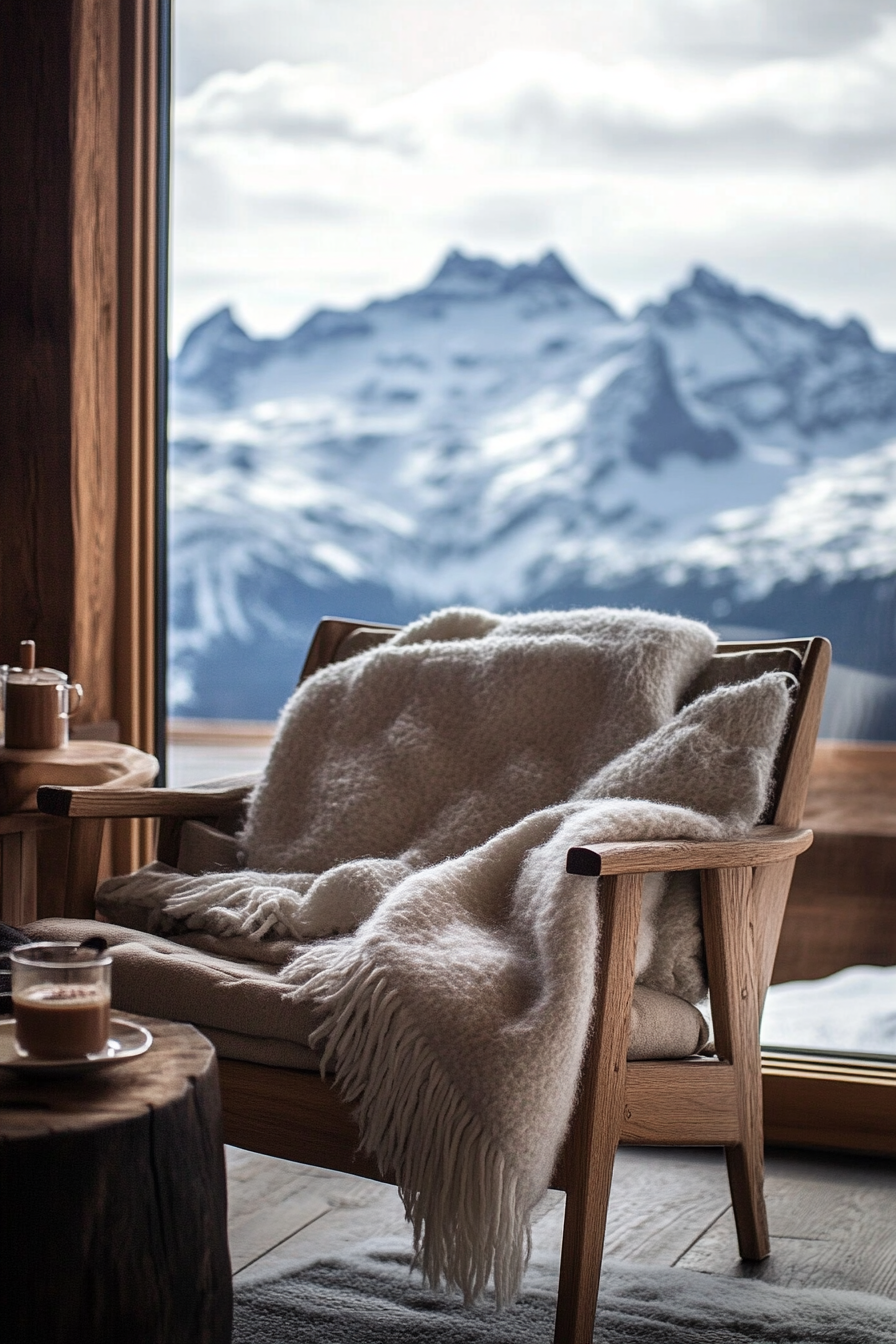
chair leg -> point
(728, 920)
(597, 1121)
(584, 1226)
(746, 1160)
(84, 849)
(746, 1174)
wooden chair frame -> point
(698, 1101)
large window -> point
(524, 305)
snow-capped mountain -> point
(505, 437)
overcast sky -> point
(328, 151)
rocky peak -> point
(482, 278)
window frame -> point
(811, 1098)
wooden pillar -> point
(94, 329)
(142, 202)
(80, 352)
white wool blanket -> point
(410, 832)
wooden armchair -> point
(694, 1101)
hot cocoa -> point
(62, 1021)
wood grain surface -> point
(794, 765)
(766, 844)
(18, 876)
(138, 619)
(36, 539)
(321, 1129)
(590, 1148)
(733, 935)
(832, 1218)
(30, 1107)
(269, 1200)
(680, 1102)
(113, 1200)
(842, 905)
(94, 353)
(852, 789)
(832, 1221)
(21, 874)
(80, 355)
(80, 762)
(822, 1101)
(116, 801)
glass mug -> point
(61, 1000)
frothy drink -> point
(58, 1021)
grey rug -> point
(371, 1297)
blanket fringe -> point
(460, 1193)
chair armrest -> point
(765, 844)
(107, 801)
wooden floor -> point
(832, 1218)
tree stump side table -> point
(113, 1200)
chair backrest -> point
(806, 659)
(336, 639)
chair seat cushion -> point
(242, 1008)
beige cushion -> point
(162, 978)
(241, 1007)
(664, 1026)
(205, 849)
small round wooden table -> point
(25, 833)
(113, 1200)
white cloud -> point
(414, 41)
(297, 185)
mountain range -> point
(504, 437)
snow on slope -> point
(502, 432)
(836, 521)
(772, 374)
(853, 1011)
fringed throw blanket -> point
(410, 833)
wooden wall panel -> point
(137, 598)
(36, 534)
(842, 905)
(853, 789)
(79, 118)
(94, 354)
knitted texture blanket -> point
(410, 832)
